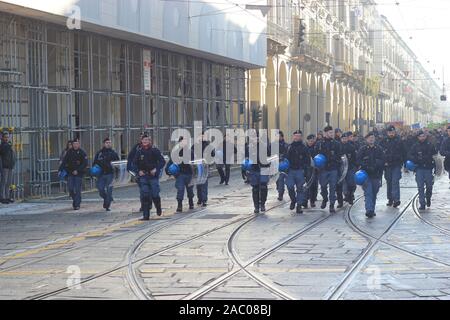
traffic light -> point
(256, 115)
(301, 35)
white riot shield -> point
(310, 176)
(344, 168)
(273, 170)
(121, 175)
(439, 164)
(200, 172)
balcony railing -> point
(306, 51)
(278, 34)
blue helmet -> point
(361, 177)
(96, 171)
(62, 174)
(284, 165)
(174, 169)
(411, 166)
(247, 164)
(320, 161)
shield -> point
(272, 171)
(121, 175)
(310, 176)
(439, 166)
(344, 168)
(200, 172)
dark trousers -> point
(224, 172)
(105, 189)
(393, 175)
(259, 188)
(328, 178)
(371, 188)
(281, 182)
(149, 190)
(74, 185)
(182, 183)
(424, 178)
(202, 192)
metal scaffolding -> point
(57, 84)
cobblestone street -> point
(224, 251)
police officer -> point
(103, 159)
(421, 154)
(370, 158)
(133, 151)
(7, 163)
(224, 168)
(75, 163)
(258, 175)
(149, 162)
(202, 189)
(299, 161)
(395, 156)
(339, 186)
(281, 181)
(130, 158)
(349, 185)
(328, 176)
(184, 178)
(445, 151)
(314, 187)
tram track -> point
(419, 215)
(243, 266)
(129, 261)
(373, 244)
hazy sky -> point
(425, 26)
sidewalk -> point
(129, 193)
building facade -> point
(350, 69)
(134, 65)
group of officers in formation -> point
(377, 154)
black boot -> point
(428, 202)
(299, 210)
(332, 210)
(157, 202)
(191, 204)
(264, 192)
(324, 204)
(180, 206)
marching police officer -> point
(183, 179)
(370, 158)
(131, 157)
(445, 151)
(314, 187)
(283, 148)
(224, 168)
(422, 153)
(299, 161)
(258, 176)
(349, 185)
(339, 186)
(75, 163)
(328, 175)
(103, 159)
(395, 156)
(149, 162)
(202, 189)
